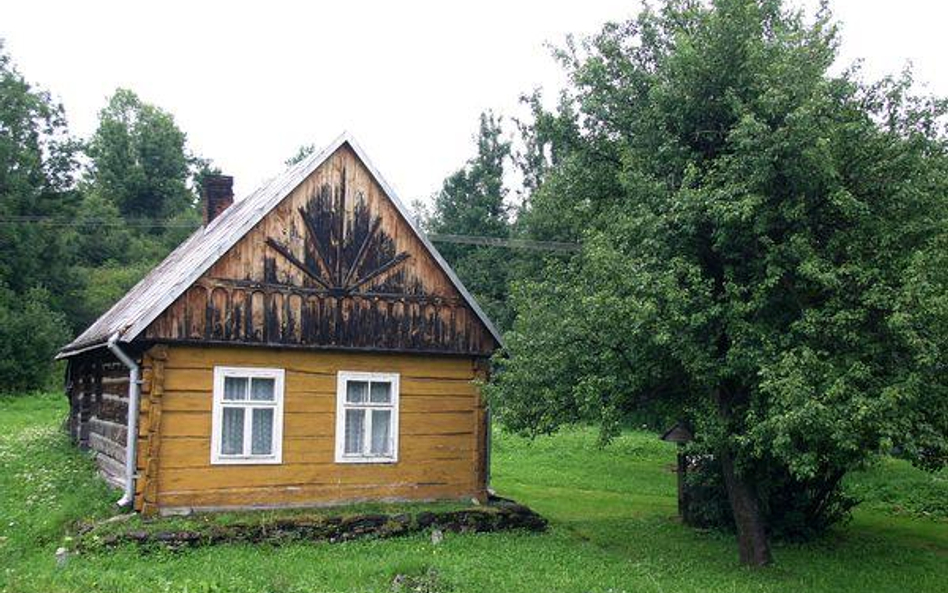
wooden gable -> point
(334, 265)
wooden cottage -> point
(308, 345)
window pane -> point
(381, 393)
(261, 441)
(262, 390)
(381, 433)
(235, 388)
(355, 425)
(356, 391)
(232, 432)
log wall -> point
(441, 424)
(97, 387)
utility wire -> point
(507, 243)
(52, 221)
(49, 221)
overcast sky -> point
(251, 82)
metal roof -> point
(182, 267)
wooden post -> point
(481, 454)
(85, 404)
(146, 500)
(682, 487)
(680, 434)
(71, 386)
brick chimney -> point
(217, 195)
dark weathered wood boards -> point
(335, 265)
(97, 387)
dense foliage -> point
(37, 162)
(138, 159)
(761, 248)
(37, 167)
(471, 203)
(31, 331)
(74, 239)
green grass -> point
(895, 487)
(613, 529)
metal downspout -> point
(131, 438)
(490, 435)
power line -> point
(53, 222)
(507, 243)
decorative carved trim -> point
(287, 290)
(325, 215)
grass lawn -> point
(612, 529)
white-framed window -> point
(247, 420)
(366, 417)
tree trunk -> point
(752, 544)
(752, 541)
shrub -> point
(795, 509)
(30, 333)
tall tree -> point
(471, 202)
(36, 192)
(36, 182)
(139, 160)
(140, 197)
(758, 241)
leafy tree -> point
(105, 238)
(139, 160)
(102, 235)
(569, 178)
(471, 202)
(30, 333)
(37, 163)
(763, 256)
(140, 199)
(106, 284)
(69, 250)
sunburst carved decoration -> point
(342, 254)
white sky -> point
(250, 82)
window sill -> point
(379, 460)
(247, 461)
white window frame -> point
(342, 380)
(276, 455)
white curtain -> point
(261, 441)
(381, 393)
(232, 433)
(235, 388)
(356, 392)
(355, 425)
(381, 432)
(261, 390)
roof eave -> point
(73, 350)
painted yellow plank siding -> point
(441, 440)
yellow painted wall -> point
(441, 432)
